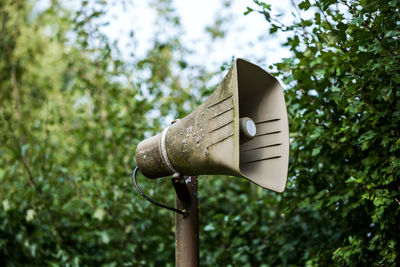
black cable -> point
(184, 213)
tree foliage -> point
(343, 199)
(72, 111)
(72, 114)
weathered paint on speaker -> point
(207, 141)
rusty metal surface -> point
(187, 228)
(181, 188)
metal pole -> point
(187, 227)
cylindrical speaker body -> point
(149, 158)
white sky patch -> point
(246, 36)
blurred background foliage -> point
(72, 111)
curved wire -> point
(184, 213)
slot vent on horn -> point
(258, 160)
(219, 102)
(221, 113)
(278, 144)
(219, 141)
(275, 132)
(221, 126)
(266, 121)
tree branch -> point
(22, 157)
(372, 31)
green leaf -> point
(305, 5)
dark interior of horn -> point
(263, 157)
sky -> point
(246, 36)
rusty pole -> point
(187, 227)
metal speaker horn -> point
(240, 130)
